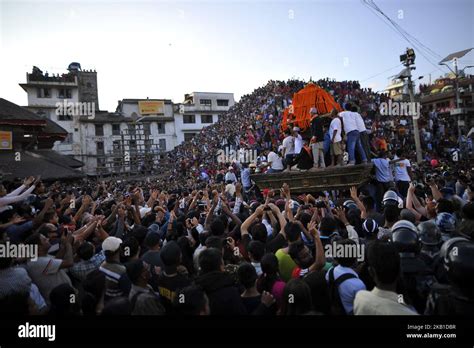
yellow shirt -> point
(286, 265)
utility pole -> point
(459, 112)
(456, 86)
(408, 60)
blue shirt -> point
(382, 169)
(327, 142)
(246, 178)
(349, 288)
(17, 233)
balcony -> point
(38, 79)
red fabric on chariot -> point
(305, 99)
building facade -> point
(132, 139)
(199, 110)
(440, 98)
(72, 89)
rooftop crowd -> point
(203, 239)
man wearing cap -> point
(298, 141)
(317, 139)
(112, 268)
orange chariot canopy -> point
(298, 113)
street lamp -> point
(455, 57)
(408, 59)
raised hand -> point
(341, 215)
(267, 299)
(28, 181)
(285, 189)
(354, 192)
(17, 220)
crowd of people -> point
(203, 239)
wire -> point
(422, 49)
(371, 77)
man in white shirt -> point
(274, 161)
(384, 268)
(335, 133)
(230, 176)
(298, 140)
(288, 149)
(349, 120)
(364, 137)
(402, 173)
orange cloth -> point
(305, 99)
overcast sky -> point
(164, 49)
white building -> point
(158, 114)
(139, 131)
(199, 110)
(46, 91)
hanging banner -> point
(6, 140)
(151, 107)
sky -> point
(164, 49)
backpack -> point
(336, 304)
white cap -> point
(111, 244)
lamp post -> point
(408, 59)
(454, 57)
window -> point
(161, 128)
(62, 117)
(99, 130)
(147, 143)
(146, 129)
(188, 136)
(116, 146)
(65, 93)
(100, 147)
(206, 102)
(189, 119)
(206, 118)
(116, 129)
(89, 85)
(133, 145)
(132, 129)
(43, 93)
(222, 102)
(162, 144)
